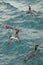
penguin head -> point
(29, 7)
(17, 31)
(36, 46)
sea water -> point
(13, 13)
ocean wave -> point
(13, 13)
(31, 34)
(24, 7)
(7, 6)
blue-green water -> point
(13, 13)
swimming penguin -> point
(8, 27)
(32, 54)
(14, 36)
(29, 9)
(31, 12)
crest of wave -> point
(24, 7)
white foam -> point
(14, 38)
(24, 7)
(3, 33)
(29, 34)
(2, 7)
(20, 6)
(6, 17)
(37, 7)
